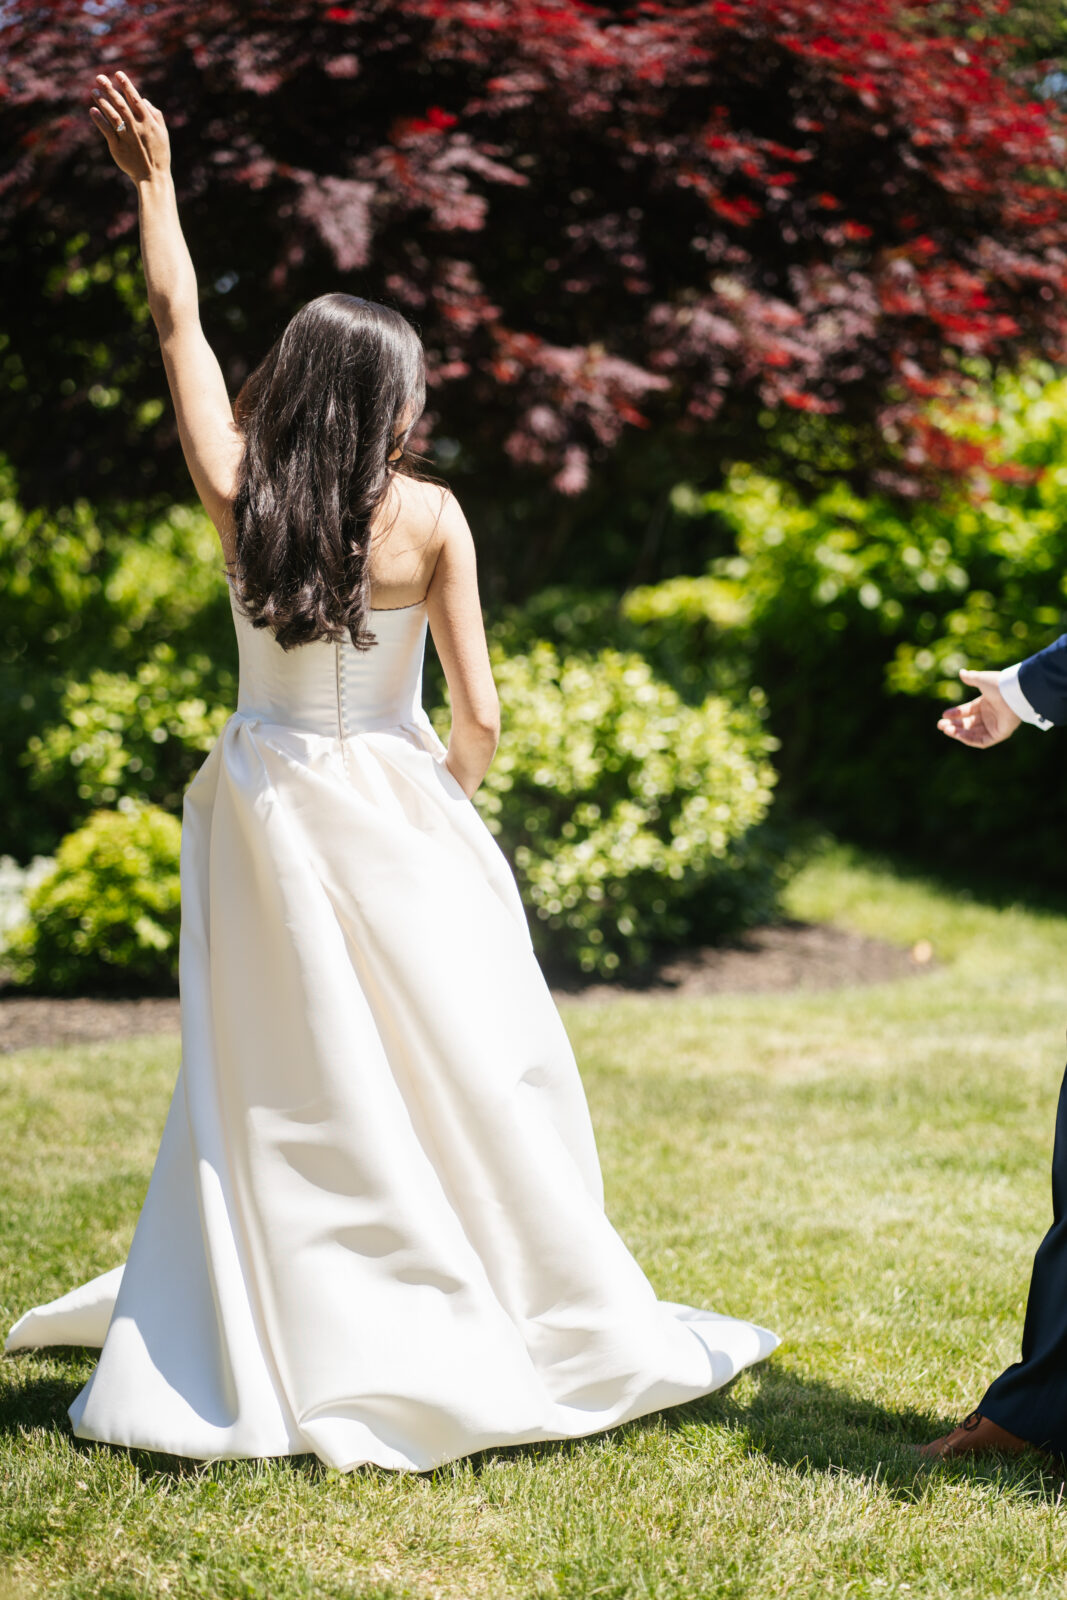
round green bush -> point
(137, 736)
(631, 818)
(92, 599)
(107, 915)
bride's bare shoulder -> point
(428, 511)
(414, 524)
(425, 500)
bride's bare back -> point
(406, 538)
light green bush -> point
(632, 819)
(107, 916)
(85, 592)
(137, 736)
(688, 629)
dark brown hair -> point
(321, 415)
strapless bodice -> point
(334, 689)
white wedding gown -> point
(375, 1228)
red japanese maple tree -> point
(604, 218)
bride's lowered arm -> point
(455, 617)
(137, 139)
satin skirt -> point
(375, 1229)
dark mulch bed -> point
(794, 955)
(30, 1020)
(790, 955)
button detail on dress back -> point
(338, 674)
(342, 726)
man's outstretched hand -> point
(983, 722)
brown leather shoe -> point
(974, 1434)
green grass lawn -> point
(864, 1170)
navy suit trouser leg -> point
(1030, 1397)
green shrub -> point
(632, 819)
(81, 593)
(137, 737)
(685, 628)
(574, 620)
(690, 630)
(107, 915)
(855, 616)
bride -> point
(375, 1228)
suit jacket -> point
(1043, 680)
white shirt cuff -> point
(1008, 684)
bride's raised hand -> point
(134, 129)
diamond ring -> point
(121, 127)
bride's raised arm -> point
(137, 139)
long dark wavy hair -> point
(321, 415)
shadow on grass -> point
(984, 885)
(809, 1426)
(32, 1400)
(800, 1423)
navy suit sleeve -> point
(1043, 680)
